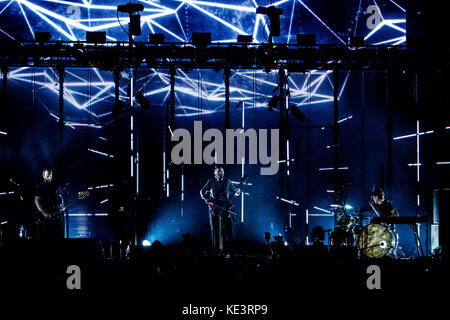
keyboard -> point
(399, 220)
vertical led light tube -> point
(243, 163)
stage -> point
(195, 151)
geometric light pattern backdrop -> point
(380, 22)
(89, 93)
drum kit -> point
(374, 240)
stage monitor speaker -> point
(91, 226)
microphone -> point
(130, 7)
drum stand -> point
(360, 223)
(417, 240)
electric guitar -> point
(224, 204)
(55, 213)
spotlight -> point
(244, 38)
(143, 102)
(130, 7)
(146, 243)
(274, 16)
(78, 51)
(201, 38)
(134, 27)
(273, 102)
(295, 111)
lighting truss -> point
(69, 20)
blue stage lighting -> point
(146, 243)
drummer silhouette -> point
(384, 208)
(379, 204)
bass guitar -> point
(224, 204)
(56, 212)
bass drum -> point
(376, 241)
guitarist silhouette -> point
(48, 199)
(50, 204)
(217, 193)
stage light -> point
(292, 202)
(130, 8)
(306, 40)
(273, 102)
(42, 36)
(146, 243)
(156, 38)
(143, 102)
(101, 187)
(347, 206)
(274, 17)
(96, 37)
(79, 53)
(345, 119)
(101, 153)
(323, 210)
(244, 38)
(64, 27)
(295, 111)
(134, 27)
(201, 38)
